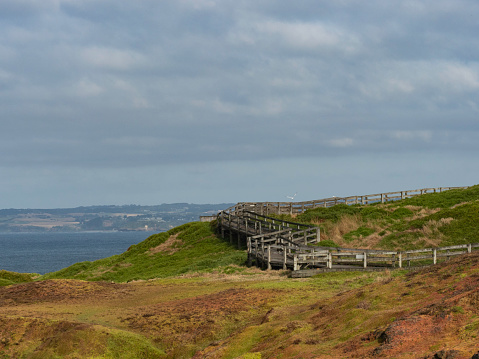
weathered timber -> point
(275, 243)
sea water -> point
(43, 252)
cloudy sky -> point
(209, 101)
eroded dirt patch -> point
(170, 246)
(56, 290)
(193, 320)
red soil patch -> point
(58, 290)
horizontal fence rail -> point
(269, 253)
(291, 208)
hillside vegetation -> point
(190, 248)
(430, 220)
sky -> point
(208, 101)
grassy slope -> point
(9, 278)
(436, 219)
(192, 247)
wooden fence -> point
(291, 208)
(269, 253)
(246, 224)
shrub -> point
(359, 233)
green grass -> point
(197, 249)
(8, 278)
(462, 229)
(327, 243)
(358, 234)
(457, 220)
(445, 199)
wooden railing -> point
(272, 242)
(246, 223)
(267, 252)
(278, 208)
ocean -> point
(44, 252)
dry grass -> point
(345, 225)
(421, 212)
(170, 246)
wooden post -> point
(469, 248)
(269, 257)
(434, 256)
(249, 251)
(330, 260)
(284, 258)
(318, 235)
(365, 261)
(295, 262)
(382, 198)
(400, 260)
(239, 238)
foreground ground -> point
(186, 293)
(249, 315)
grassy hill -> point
(190, 248)
(430, 220)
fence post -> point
(284, 258)
(469, 248)
(249, 251)
(434, 256)
(330, 260)
(318, 235)
(269, 257)
(400, 259)
(262, 248)
(365, 263)
(295, 262)
(229, 226)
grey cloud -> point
(128, 84)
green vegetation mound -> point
(192, 247)
(445, 199)
(8, 278)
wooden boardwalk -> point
(273, 243)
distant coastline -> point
(126, 218)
